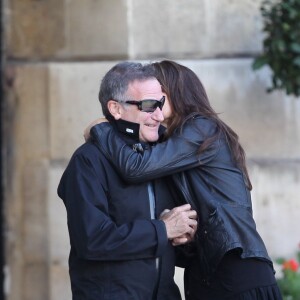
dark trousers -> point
(235, 279)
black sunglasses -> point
(147, 105)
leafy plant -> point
(289, 283)
(281, 46)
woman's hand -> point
(86, 133)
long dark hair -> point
(188, 98)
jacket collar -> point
(127, 129)
(130, 133)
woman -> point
(207, 167)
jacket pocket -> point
(212, 239)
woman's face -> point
(167, 112)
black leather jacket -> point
(210, 182)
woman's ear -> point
(115, 109)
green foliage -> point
(281, 46)
(289, 283)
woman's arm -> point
(177, 154)
(86, 133)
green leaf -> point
(289, 90)
(280, 260)
(281, 45)
(297, 61)
(295, 47)
(286, 26)
(259, 62)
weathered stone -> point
(268, 124)
(96, 29)
(35, 29)
(36, 281)
(73, 104)
(112, 29)
(63, 29)
(35, 211)
(30, 89)
(59, 244)
(194, 29)
(26, 176)
(60, 287)
(276, 205)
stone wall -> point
(56, 55)
(135, 29)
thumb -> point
(165, 211)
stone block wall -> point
(56, 54)
(134, 29)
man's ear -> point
(115, 109)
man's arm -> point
(93, 233)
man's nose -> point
(157, 115)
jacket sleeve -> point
(178, 153)
(93, 234)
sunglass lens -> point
(152, 105)
(149, 105)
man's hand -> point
(180, 223)
(86, 133)
(184, 239)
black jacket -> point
(210, 182)
(118, 249)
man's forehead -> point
(143, 89)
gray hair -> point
(115, 83)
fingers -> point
(184, 239)
(181, 224)
(192, 214)
(185, 207)
(179, 241)
(178, 223)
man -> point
(119, 249)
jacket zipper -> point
(152, 215)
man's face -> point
(149, 122)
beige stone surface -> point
(268, 124)
(179, 280)
(74, 103)
(276, 205)
(36, 282)
(25, 178)
(132, 28)
(34, 29)
(59, 283)
(30, 88)
(96, 29)
(35, 211)
(59, 244)
(63, 29)
(194, 28)
(35, 242)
